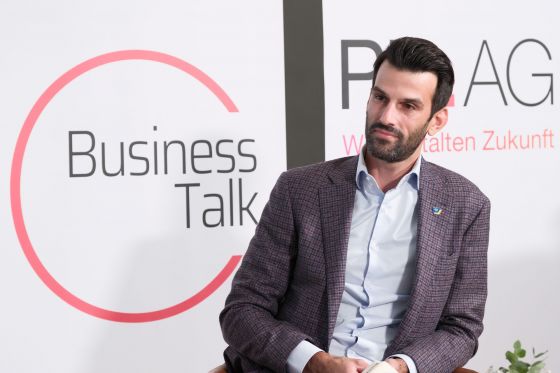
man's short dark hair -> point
(420, 55)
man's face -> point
(398, 112)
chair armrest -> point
(220, 369)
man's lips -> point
(384, 133)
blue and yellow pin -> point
(437, 210)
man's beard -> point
(400, 150)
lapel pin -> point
(437, 210)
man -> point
(379, 257)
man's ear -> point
(438, 121)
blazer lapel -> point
(434, 218)
(336, 201)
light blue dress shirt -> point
(380, 269)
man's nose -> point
(388, 114)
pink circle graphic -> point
(15, 187)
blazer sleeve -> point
(454, 341)
(248, 321)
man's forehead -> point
(395, 81)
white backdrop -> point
(179, 97)
(521, 183)
(102, 273)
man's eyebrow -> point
(415, 101)
(379, 90)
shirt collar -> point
(413, 176)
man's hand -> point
(322, 362)
(399, 364)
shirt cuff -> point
(409, 362)
(298, 358)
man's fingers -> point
(360, 364)
(382, 367)
(323, 362)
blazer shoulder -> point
(340, 169)
(457, 185)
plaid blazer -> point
(290, 283)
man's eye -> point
(379, 97)
(410, 106)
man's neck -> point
(386, 174)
